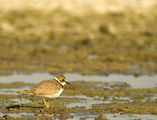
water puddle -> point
(85, 101)
(130, 117)
(117, 116)
(22, 114)
(19, 101)
(12, 91)
(89, 116)
(82, 116)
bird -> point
(48, 88)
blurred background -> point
(83, 36)
(101, 46)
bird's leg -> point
(46, 103)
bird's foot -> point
(46, 103)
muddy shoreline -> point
(107, 52)
(93, 99)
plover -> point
(48, 88)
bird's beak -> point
(67, 82)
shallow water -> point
(85, 101)
(87, 116)
(130, 117)
(17, 114)
(144, 81)
(79, 116)
(19, 101)
(12, 90)
(82, 100)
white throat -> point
(63, 83)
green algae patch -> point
(127, 108)
(39, 108)
(6, 96)
(7, 117)
(101, 117)
(102, 89)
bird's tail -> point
(25, 91)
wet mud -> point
(116, 48)
(93, 100)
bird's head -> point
(61, 79)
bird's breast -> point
(55, 95)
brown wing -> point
(46, 87)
